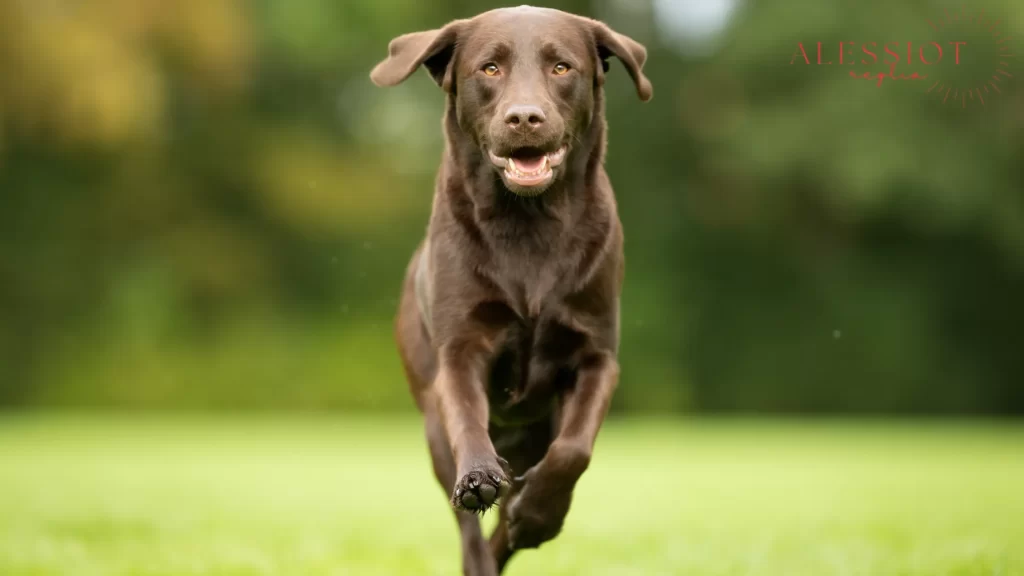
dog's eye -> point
(561, 68)
(490, 69)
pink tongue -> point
(531, 164)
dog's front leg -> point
(482, 477)
(540, 504)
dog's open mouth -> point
(529, 167)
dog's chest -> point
(530, 287)
(535, 360)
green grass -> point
(98, 495)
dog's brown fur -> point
(508, 326)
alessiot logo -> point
(968, 61)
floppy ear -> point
(432, 48)
(629, 51)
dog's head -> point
(524, 81)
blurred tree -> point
(206, 203)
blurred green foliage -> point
(206, 203)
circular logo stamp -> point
(987, 70)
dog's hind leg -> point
(499, 542)
(523, 447)
(476, 555)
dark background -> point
(208, 205)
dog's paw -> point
(481, 488)
(537, 511)
(530, 529)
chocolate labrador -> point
(508, 326)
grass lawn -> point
(115, 495)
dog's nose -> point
(531, 116)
